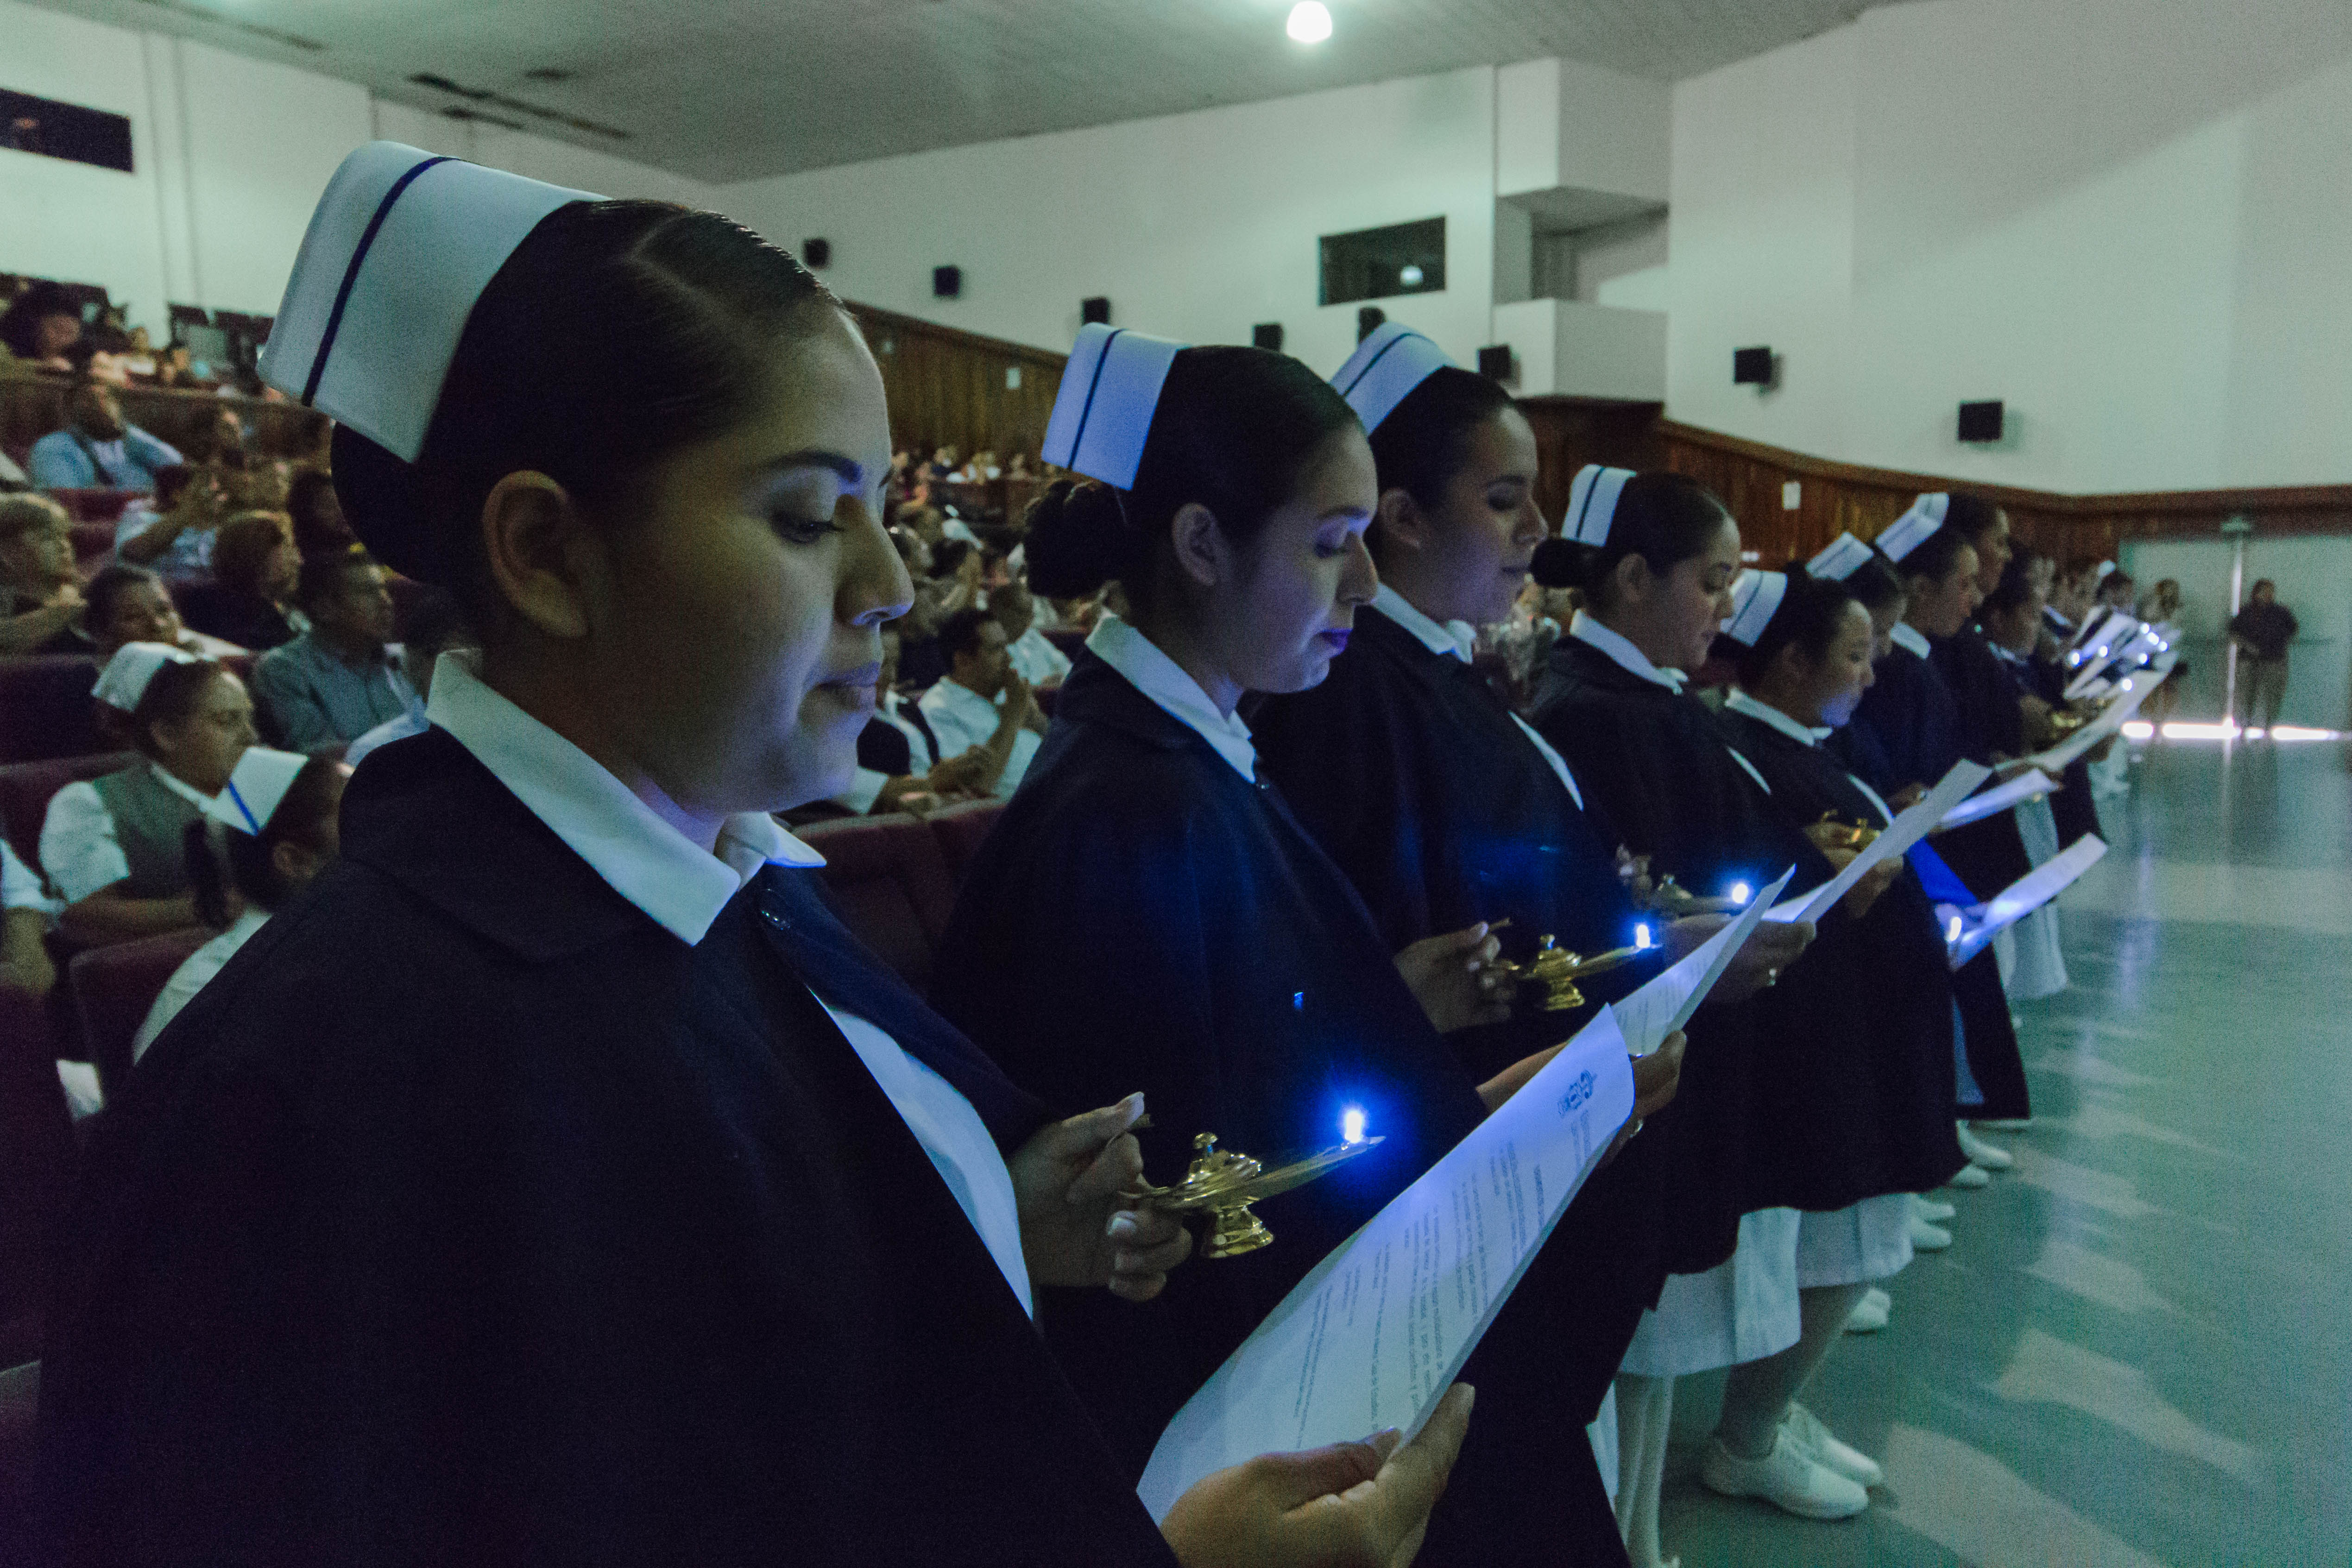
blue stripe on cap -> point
(352, 277)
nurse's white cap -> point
(1910, 530)
(1384, 369)
(400, 247)
(1754, 598)
(1839, 560)
(1102, 415)
(255, 786)
(125, 678)
(1593, 502)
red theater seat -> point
(45, 707)
(959, 830)
(888, 881)
(114, 987)
(26, 788)
(93, 545)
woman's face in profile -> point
(1293, 604)
(749, 586)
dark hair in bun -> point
(1970, 516)
(1665, 519)
(617, 331)
(2016, 584)
(1424, 441)
(1233, 430)
(1876, 584)
(1806, 619)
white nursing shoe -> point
(1821, 1445)
(1991, 1156)
(1787, 1477)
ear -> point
(294, 864)
(546, 561)
(1632, 577)
(1201, 553)
(1401, 524)
(1790, 664)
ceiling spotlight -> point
(1310, 22)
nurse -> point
(558, 1181)
(1863, 1100)
(1149, 912)
(115, 848)
(1656, 557)
(1907, 733)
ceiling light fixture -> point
(1310, 22)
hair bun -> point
(383, 500)
(1077, 538)
(1561, 564)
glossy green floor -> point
(2139, 1349)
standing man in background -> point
(2262, 631)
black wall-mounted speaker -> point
(1752, 367)
(1095, 310)
(1368, 320)
(1981, 421)
(1266, 335)
(816, 252)
(1496, 364)
(947, 282)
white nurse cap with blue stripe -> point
(1593, 502)
(1102, 415)
(1841, 558)
(1754, 598)
(1385, 368)
(255, 786)
(402, 245)
(1910, 530)
(126, 676)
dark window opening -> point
(53, 130)
(1374, 264)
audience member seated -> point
(339, 680)
(173, 531)
(983, 704)
(125, 604)
(40, 591)
(898, 764)
(1034, 658)
(41, 328)
(25, 964)
(318, 526)
(278, 823)
(115, 848)
(435, 625)
(250, 600)
(96, 449)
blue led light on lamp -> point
(1642, 938)
(1742, 893)
(1352, 1124)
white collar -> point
(1177, 693)
(951, 690)
(179, 787)
(1622, 653)
(1455, 639)
(1766, 714)
(645, 860)
(1908, 638)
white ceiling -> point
(737, 89)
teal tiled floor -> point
(2139, 1349)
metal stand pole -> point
(2235, 530)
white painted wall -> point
(1197, 225)
(230, 157)
(2132, 222)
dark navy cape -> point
(469, 1217)
(1656, 764)
(1410, 770)
(1906, 730)
(1865, 1095)
(1143, 917)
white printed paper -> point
(1894, 838)
(2019, 899)
(1999, 798)
(2135, 690)
(1377, 1332)
(1666, 1003)
(2142, 644)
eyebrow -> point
(852, 472)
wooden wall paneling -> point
(1571, 431)
(947, 388)
(32, 406)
